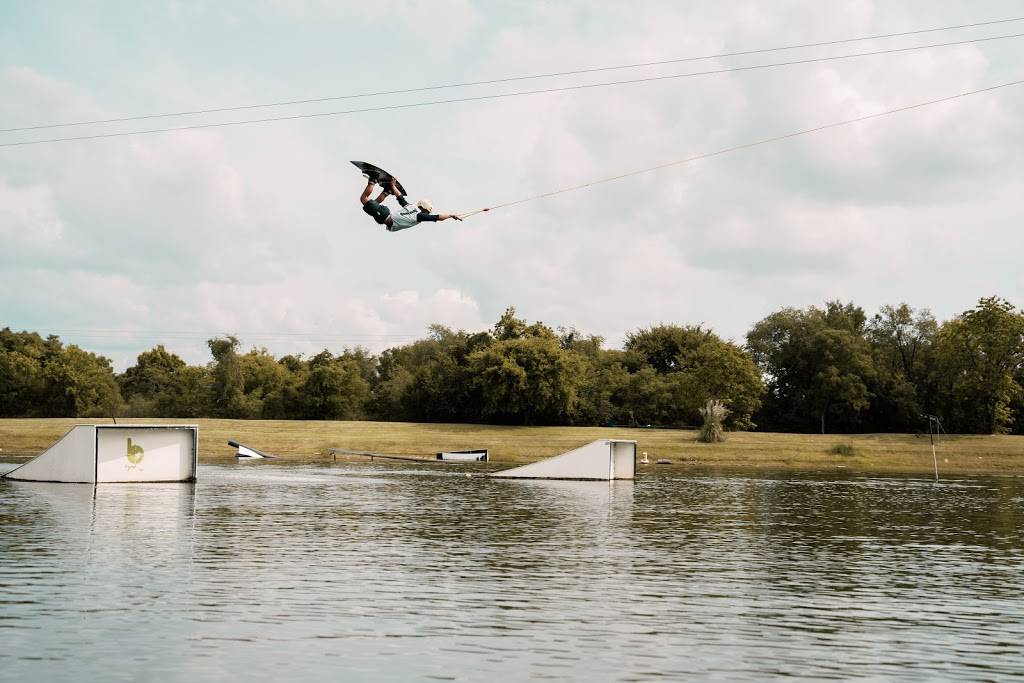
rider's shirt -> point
(408, 216)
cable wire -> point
(510, 79)
(115, 336)
(521, 93)
(748, 145)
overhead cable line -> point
(99, 333)
(521, 93)
(748, 145)
(509, 79)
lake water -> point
(363, 572)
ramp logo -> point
(135, 453)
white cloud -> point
(36, 98)
(439, 20)
(410, 309)
(30, 222)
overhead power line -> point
(312, 337)
(521, 93)
(510, 79)
(748, 145)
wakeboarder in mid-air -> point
(408, 216)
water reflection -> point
(398, 573)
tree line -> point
(827, 368)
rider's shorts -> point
(379, 212)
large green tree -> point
(263, 378)
(901, 342)
(190, 394)
(161, 384)
(598, 375)
(694, 365)
(24, 389)
(153, 373)
(41, 377)
(21, 373)
(530, 380)
(818, 367)
(979, 358)
(227, 380)
(334, 389)
(83, 384)
(429, 379)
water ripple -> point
(392, 573)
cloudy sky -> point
(121, 243)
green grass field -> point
(303, 441)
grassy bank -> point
(310, 441)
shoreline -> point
(301, 441)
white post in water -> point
(935, 459)
(935, 462)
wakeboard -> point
(377, 175)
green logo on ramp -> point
(135, 453)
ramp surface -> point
(604, 459)
(117, 453)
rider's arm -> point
(436, 217)
(393, 187)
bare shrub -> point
(714, 413)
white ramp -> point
(117, 453)
(244, 452)
(604, 459)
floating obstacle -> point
(335, 452)
(477, 455)
(244, 452)
(117, 453)
(604, 459)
